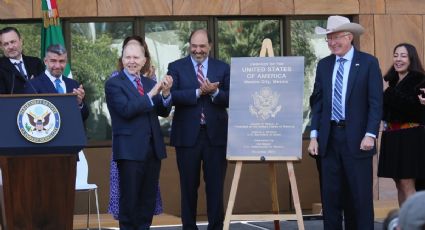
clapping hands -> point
(164, 85)
(208, 87)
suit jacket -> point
(134, 120)
(186, 120)
(42, 84)
(363, 101)
(11, 78)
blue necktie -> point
(337, 99)
(58, 86)
(21, 70)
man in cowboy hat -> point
(347, 111)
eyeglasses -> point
(335, 37)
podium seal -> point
(38, 121)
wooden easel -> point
(276, 217)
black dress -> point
(402, 153)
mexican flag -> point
(51, 33)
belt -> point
(339, 124)
(203, 126)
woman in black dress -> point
(402, 155)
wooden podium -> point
(38, 179)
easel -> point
(266, 48)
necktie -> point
(58, 86)
(139, 86)
(21, 70)
(337, 98)
(200, 76)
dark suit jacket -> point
(42, 84)
(134, 119)
(186, 121)
(10, 76)
(363, 101)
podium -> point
(40, 137)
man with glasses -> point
(347, 110)
(15, 67)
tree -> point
(243, 38)
(301, 37)
(92, 63)
(31, 38)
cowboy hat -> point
(338, 24)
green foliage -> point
(92, 63)
(302, 33)
(31, 33)
(244, 38)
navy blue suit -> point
(346, 171)
(42, 84)
(11, 78)
(196, 144)
(138, 147)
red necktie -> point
(139, 86)
(200, 76)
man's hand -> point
(155, 90)
(167, 83)
(80, 94)
(150, 73)
(208, 87)
(367, 143)
(421, 97)
(313, 147)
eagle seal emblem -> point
(266, 103)
(38, 121)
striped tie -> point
(200, 76)
(337, 98)
(139, 86)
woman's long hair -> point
(415, 64)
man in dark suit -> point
(53, 81)
(199, 129)
(347, 111)
(15, 68)
(134, 104)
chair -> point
(81, 185)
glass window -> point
(95, 51)
(243, 38)
(304, 42)
(31, 34)
(168, 41)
